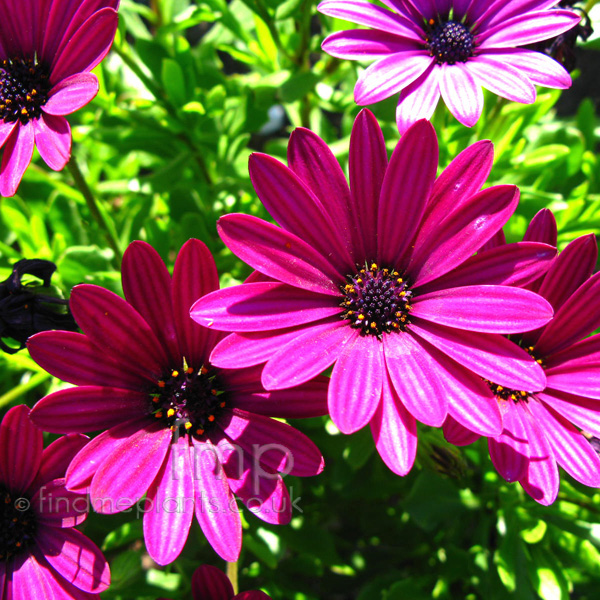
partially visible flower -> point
(543, 428)
(379, 281)
(47, 50)
(178, 429)
(210, 583)
(41, 554)
(28, 309)
(562, 47)
(424, 49)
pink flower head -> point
(543, 428)
(360, 279)
(41, 554)
(47, 50)
(186, 434)
(424, 48)
(210, 583)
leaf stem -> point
(232, 573)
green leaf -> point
(173, 81)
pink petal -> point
(88, 46)
(367, 164)
(510, 450)
(118, 329)
(311, 352)
(76, 558)
(88, 408)
(262, 307)
(575, 319)
(359, 44)
(169, 507)
(21, 446)
(509, 264)
(277, 445)
(71, 94)
(394, 430)
(389, 75)
(279, 254)
(210, 583)
(127, 473)
(461, 93)
(57, 456)
(364, 13)
(541, 481)
(498, 76)
(194, 276)
(437, 251)
(582, 380)
(582, 412)
(534, 26)
(5, 130)
(73, 358)
(484, 308)
(491, 356)
(314, 163)
(58, 507)
(296, 208)
(356, 383)
(542, 227)
(572, 451)
(216, 509)
(16, 157)
(87, 462)
(147, 287)
(417, 378)
(405, 190)
(456, 434)
(418, 99)
(240, 350)
(53, 140)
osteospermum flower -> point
(424, 49)
(210, 583)
(47, 50)
(542, 427)
(358, 280)
(41, 554)
(186, 434)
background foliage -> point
(189, 91)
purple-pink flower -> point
(380, 281)
(183, 432)
(41, 554)
(210, 583)
(543, 427)
(424, 49)
(47, 50)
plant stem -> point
(11, 395)
(232, 573)
(92, 204)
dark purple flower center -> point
(449, 42)
(376, 301)
(18, 524)
(24, 88)
(188, 401)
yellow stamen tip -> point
(170, 412)
(188, 425)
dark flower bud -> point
(29, 308)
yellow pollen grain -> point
(373, 325)
(170, 412)
(539, 361)
(374, 266)
(34, 92)
(188, 425)
(175, 374)
(23, 111)
(361, 317)
(359, 280)
(499, 388)
(523, 393)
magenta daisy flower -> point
(543, 428)
(424, 49)
(47, 50)
(41, 554)
(359, 279)
(210, 583)
(186, 434)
